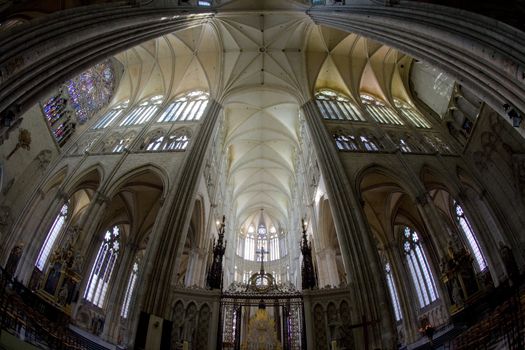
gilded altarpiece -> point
(262, 315)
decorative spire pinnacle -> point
(307, 268)
(215, 273)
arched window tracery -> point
(177, 141)
(336, 106)
(379, 111)
(262, 239)
(111, 115)
(54, 232)
(411, 114)
(419, 268)
(154, 141)
(189, 107)
(118, 143)
(468, 233)
(407, 143)
(347, 140)
(103, 267)
(143, 112)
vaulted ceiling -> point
(262, 66)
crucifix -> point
(261, 252)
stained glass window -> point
(79, 99)
(91, 90)
(103, 267)
(189, 107)
(380, 112)
(467, 230)
(51, 237)
(419, 268)
(58, 117)
(336, 106)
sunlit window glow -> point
(336, 106)
(103, 267)
(189, 107)
(51, 237)
(419, 268)
(393, 292)
(465, 226)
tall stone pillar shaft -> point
(180, 200)
(353, 234)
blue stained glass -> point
(91, 90)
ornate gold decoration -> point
(261, 333)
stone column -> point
(353, 233)
(404, 286)
(168, 236)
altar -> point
(262, 316)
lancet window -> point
(249, 244)
(257, 244)
(407, 143)
(111, 116)
(189, 107)
(380, 112)
(130, 288)
(103, 267)
(157, 141)
(347, 140)
(177, 141)
(411, 114)
(143, 112)
(119, 144)
(52, 236)
(154, 141)
(468, 232)
(393, 292)
(336, 106)
(419, 268)
(274, 244)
